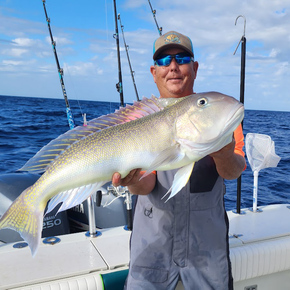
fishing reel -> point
(118, 192)
(107, 207)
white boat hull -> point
(259, 251)
(260, 248)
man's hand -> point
(229, 165)
(226, 151)
(135, 185)
(132, 178)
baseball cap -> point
(172, 39)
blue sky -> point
(87, 51)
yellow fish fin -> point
(26, 219)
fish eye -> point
(201, 102)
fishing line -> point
(70, 78)
(107, 29)
(119, 194)
(107, 204)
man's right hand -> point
(133, 182)
(132, 178)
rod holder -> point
(92, 219)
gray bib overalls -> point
(185, 238)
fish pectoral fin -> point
(73, 197)
(180, 179)
(166, 157)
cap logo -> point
(171, 38)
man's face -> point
(174, 81)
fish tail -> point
(22, 216)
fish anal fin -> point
(73, 197)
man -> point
(187, 237)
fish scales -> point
(155, 134)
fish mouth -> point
(236, 118)
(230, 126)
(233, 121)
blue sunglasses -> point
(180, 58)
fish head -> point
(208, 123)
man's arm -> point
(229, 164)
(133, 182)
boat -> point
(259, 251)
(97, 256)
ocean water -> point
(27, 124)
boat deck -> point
(72, 261)
(259, 249)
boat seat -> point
(260, 242)
(260, 258)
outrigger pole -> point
(242, 93)
(60, 73)
(154, 16)
(127, 52)
(119, 85)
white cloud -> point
(89, 52)
(60, 41)
(83, 69)
(129, 4)
(12, 62)
(26, 42)
(14, 52)
(282, 69)
(17, 66)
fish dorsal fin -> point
(43, 158)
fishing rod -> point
(154, 16)
(129, 62)
(242, 94)
(60, 73)
(119, 85)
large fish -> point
(154, 134)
